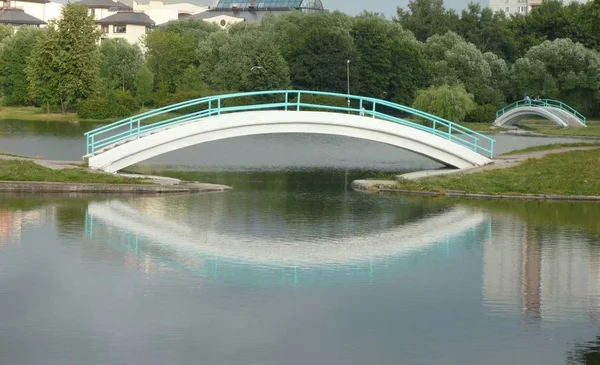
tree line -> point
(460, 66)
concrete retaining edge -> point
(594, 198)
(373, 187)
(58, 187)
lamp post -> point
(348, 78)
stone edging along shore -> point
(380, 187)
(60, 187)
(152, 185)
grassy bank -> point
(21, 170)
(542, 126)
(546, 127)
(10, 154)
(548, 147)
(569, 173)
(33, 114)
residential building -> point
(162, 13)
(100, 9)
(523, 7)
(128, 25)
(18, 17)
(228, 12)
(511, 7)
(20, 11)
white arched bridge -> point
(138, 138)
(553, 110)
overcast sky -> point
(354, 7)
(387, 7)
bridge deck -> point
(553, 110)
(119, 134)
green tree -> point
(193, 30)
(322, 63)
(537, 26)
(455, 61)
(531, 77)
(410, 72)
(192, 79)
(168, 54)
(449, 102)
(290, 30)
(248, 60)
(488, 30)
(426, 18)
(579, 22)
(44, 69)
(560, 69)
(6, 31)
(67, 59)
(390, 64)
(316, 47)
(13, 59)
(144, 82)
(120, 63)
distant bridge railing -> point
(289, 100)
(542, 103)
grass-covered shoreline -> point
(24, 170)
(34, 114)
(538, 126)
(568, 173)
(548, 147)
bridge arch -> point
(121, 144)
(556, 111)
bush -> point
(182, 96)
(482, 114)
(449, 102)
(341, 102)
(116, 104)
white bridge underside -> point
(276, 122)
(558, 116)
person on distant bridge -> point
(527, 99)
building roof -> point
(255, 10)
(105, 4)
(249, 16)
(34, 1)
(269, 4)
(127, 18)
(18, 17)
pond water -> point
(293, 267)
(65, 141)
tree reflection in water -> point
(587, 353)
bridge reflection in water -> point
(152, 245)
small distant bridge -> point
(138, 138)
(554, 110)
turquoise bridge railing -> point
(542, 103)
(289, 100)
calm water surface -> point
(65, 141)
(292, 267)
